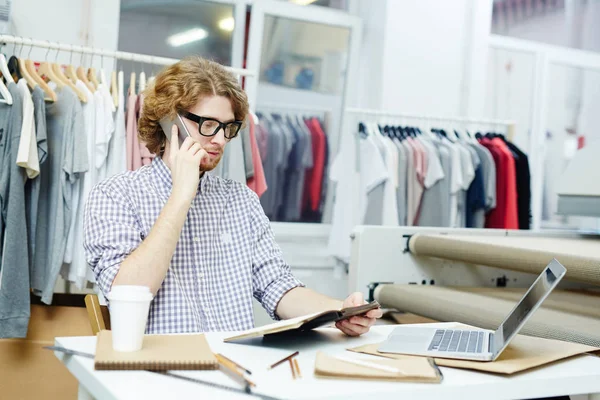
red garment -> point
(257, 182)
(497, 217)
(313, 179)
(511, 220)
(505, 215)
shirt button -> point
(196, 239)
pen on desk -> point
(236, 364)
(283, 360)
(292, 368)
(369, 365)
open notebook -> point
(305, 322)
(159, 353)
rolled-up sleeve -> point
(271, 275)
(111, 233)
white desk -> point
(579, 375)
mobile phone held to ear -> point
(167, 124)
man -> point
(201, 243)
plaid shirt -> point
(225, 255)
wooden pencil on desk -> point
(284, 359)
(297, 367)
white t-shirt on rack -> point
(351, 190)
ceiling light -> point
(303, 2)
(227, 24)
(185, 37)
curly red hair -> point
(180, 86)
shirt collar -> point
(163, 172)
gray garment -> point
(32, 187)
(288, 139)
(301, 158)
(402, 182)
(435, 204)
(374, 212)
(14, 262)
(272, 163)
(247, 149)
(67, 159)
(488, 168)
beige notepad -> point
(159, 353)
(413, 369)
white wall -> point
(423, 56)
(79, 22)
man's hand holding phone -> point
(185, 165)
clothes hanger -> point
(142, 83)
(6, 96)
(30, 67)
(102, 74)
(132, 79)
(46, 70)
(91, 74)
(60, 74)
(70, 71)
(121, 85)
(82, 76)
(114, 90)
(13, 65)
(21, 71)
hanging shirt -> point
(411, 181)
(257, 182)
(468, 174)
(402, 181)
(314, 176)
(432, 169)
(67, 160)
(488, 169)
(273, 162)
(27, 156)
(105, 132)
(523, 186)
(145, 154)
(456, 181)
(511, 220)
(14, 262)
(75, 267)
(134, 158)
(32, 187)
(117, 148)
(496, 218)
(352, 189)
(390, 202)
(435, 205)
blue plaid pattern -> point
(226, 253)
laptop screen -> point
(540, 289)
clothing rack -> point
(382, 113)
(118, 55)
(293, 107)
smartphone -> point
(167, 124)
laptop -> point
(474, 344)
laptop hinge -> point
(490, 337)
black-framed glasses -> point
(210, 126)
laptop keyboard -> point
(457, 341)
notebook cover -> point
(305, 322)
(158, 353)
(415, 369)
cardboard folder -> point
(523, 353)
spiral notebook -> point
(159, 353)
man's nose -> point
(219, 138)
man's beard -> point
(209, 163)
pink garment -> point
(145, 154)
(258, 182)
(134, 158)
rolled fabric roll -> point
(581, 257)
(453, 305)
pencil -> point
(292, 367)
(283, 360)
(297, 367)
(236, 364)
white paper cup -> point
(129, 307)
